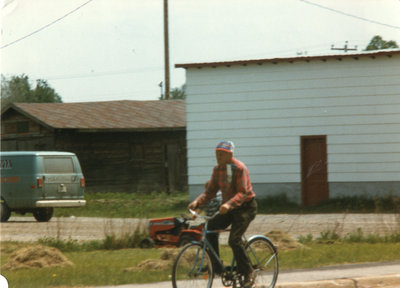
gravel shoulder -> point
(89, 228)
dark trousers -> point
(240, 219)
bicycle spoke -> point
(192, 268)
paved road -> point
(86, 228)
(339, 272)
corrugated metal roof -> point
(372, 54)
(167, 114)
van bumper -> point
(60, 203)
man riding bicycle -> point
(238, 207)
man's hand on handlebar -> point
(224, 208)
(193, 205)
(196, 214)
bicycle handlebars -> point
(195, 214)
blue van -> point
(36, 182)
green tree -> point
(43, 93)
(176, 93)
(18, 89)
(377, 43)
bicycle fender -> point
(259, 236)
(265, 238)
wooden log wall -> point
(129, 161)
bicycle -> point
(193, 266)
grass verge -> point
(318, 255)
(109, 267)
(129, 205)
(281, 204)
(91, 268)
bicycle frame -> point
(206, 244)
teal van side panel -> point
(18, 181)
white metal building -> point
(308, 127)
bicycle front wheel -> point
(264, 260)
(192, 268)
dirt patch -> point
(169, 254)
(10, 247)
(150, 264)
(37, 256)
(165, 262)
(283, 241)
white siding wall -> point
(265, 109)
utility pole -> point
(166, 51)
(161, 86)
(345, 48)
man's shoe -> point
(249, 284)
(250, 280)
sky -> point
(106, 50)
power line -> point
(350, 15)
(45, 26)
(104, 74)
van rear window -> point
(58, 165)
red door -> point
(314, 170)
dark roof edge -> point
(388, 53)
(106, 130)
(15, 107)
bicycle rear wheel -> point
(192, 268)
(264, 260)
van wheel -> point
(5, 211)
(43, 214)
